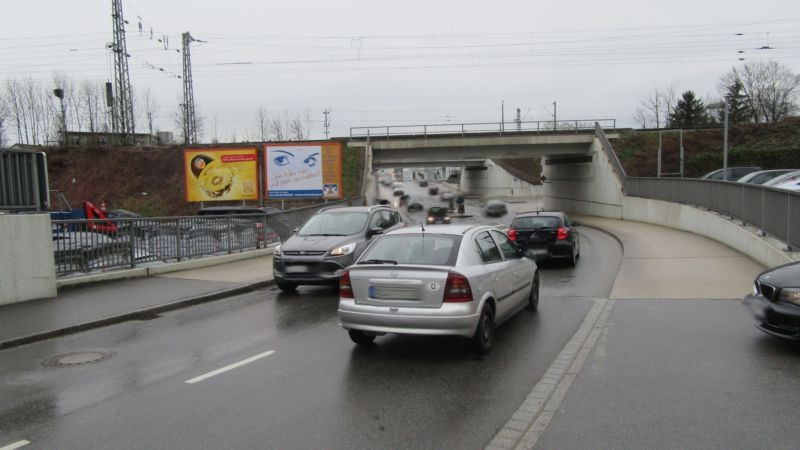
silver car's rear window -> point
(422, 248)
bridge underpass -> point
(574, 175)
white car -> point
(785, 178)
(458, 280)
(763, 176)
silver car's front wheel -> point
(484, 336)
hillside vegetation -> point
(150, 180)
(770, 146)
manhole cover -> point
(77, 358)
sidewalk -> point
(658, 262)
(90, 306)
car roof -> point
(454, 229)
(540, 213)
(355, 208)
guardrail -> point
(774, 211)
(89, 246)
(463, 129)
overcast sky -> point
(402, 62)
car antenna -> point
(422, 225)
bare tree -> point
(16, 109)
(279, 129)
(298, 130)
(262, 124)
(91, 98)
(769, 87)
(150, 108)
(658, 106)
(653, 104)
(72, 105)
(640, 116)
(3, 114)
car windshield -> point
(437, 211)
(535, 222)
(422, 248)
(334, 224)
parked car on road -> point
(274, 221)
(433, 190)
(734, 173)
(458, 280)
(423, 183)
(775, 301)
(546, 235)
(328, 242)
(785, 178)
(762, 176)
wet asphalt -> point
(317, 390)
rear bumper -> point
(773, 318)
(557, 250)
(456, 319)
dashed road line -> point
(227, 368)
(16, 445)
(530, 420)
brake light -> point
(512, 234)
(345, 289)
(563, 234)
(457, 289)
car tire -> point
(286, 286)
(484, 335)
(533, 297)
(360, 337)
(573, 260)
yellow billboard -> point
(303, 170)
(221, 174)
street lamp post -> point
(726, 110)
(58, 92)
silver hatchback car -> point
(444, 280)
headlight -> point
(430, 219)
(277, 250)
(791, 295)
(343, 250)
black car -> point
(546, 235)
(327, 243)
(438, 214)
(423, 183)
(433, 190)
(775, 301)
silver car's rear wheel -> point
(533, 298)
(360, 337)
(484, 335)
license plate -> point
(297, 269)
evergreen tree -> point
(738, 109)
(689, 112)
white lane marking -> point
(227, 368)
(16, 445)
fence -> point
(87, 246)
(539, 126)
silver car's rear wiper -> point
(378, 261)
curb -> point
(604, 231)
(140, 314)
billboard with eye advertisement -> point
(220, 174)
(303, 170)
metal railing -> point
(774, 211)
(94, 245)
(464, 129)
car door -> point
(500, 272)
(521, 273)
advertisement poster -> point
(221, 174)
(304, 170)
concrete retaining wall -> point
(27, 267)
(766, 251)
(494, 182)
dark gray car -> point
(328, 242)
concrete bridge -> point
(582, 175)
